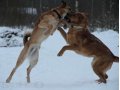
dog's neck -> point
(59, 16)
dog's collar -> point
(59, 16)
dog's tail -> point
(116, 59)
(26, 37)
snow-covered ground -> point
(69, 72)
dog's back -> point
(90, 45)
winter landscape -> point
(68, 72)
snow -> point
(10, 37)
(68, 72)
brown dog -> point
(77, 20)
(45, 26)
(84, 43)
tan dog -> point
(45, 26)
(84, 43)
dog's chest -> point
(48, 24)
(71, 39)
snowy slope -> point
(69, 72)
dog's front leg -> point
(63, 33)
(48, 29)
(66, 48)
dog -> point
(45, 26)
(84, 43)
(77, 20)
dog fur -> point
(45, 26)
(84, 43)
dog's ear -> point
(63, 3)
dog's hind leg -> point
(98, 68)
(63, 33)
(20, 60)
(106, 76)
(101, 75)
(33, 57)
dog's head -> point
(63, 9)
(77, 19)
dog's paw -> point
(59, 54)
(7, 81)
(99, 81)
